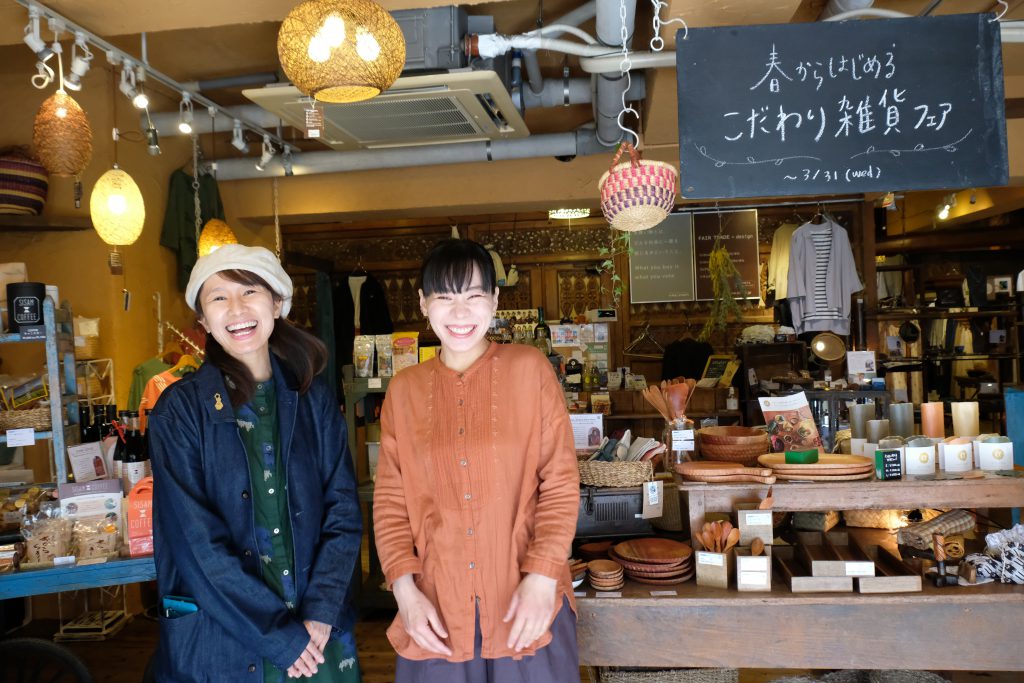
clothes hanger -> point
(186, 361)
(358, 270)
(634, 349)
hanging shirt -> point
(141, 375)
(822, 278)
(179, 231)
(258, 427)
(355, 286)
(778, 260)
(154, 387)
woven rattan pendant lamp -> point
(216, 234)
(341, 50)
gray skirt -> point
(557, 662)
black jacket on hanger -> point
(374, 317)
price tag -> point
(759, 518)
(860, 568)
(609, 594)
(32, 331)
(713, 559)
(753, 578)
(373, 383)
(682, 440)
(663, 594)
(60, 561)
(314, 123)
(580, 594)
(754, 564)
(21, 437)
(654, 501)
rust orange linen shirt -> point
(476, 486)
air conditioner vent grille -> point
(412, 119)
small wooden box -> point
(893, 575)
(754, 523)
(830, 555)
(713, 569)
(753, 573)
(796, 576)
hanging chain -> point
(657, 42)
(195, 186)
(277, 224)
(624, 66)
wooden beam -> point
(1015, 108)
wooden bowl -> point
(734, 436)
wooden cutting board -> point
(732, 479)
(653, 551)
(714, 468)
(823, 477)
(825, 462)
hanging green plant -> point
(618, 244)
(724, 277)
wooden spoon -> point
(756, 547)
(768, 501)
(725, 533)
(734, 538)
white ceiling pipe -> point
(609, 86)
(166, 122)
(581, 14)
(835, 7)
(558, 92)
(581, 142)
(640, 60)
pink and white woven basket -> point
(637, 194)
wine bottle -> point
(121, 445)
(134, 456)
(542, 333)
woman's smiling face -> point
(241, 318)
(461, 319)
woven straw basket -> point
(611, 474)
(35, 418)
(637, 194)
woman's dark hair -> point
(448, 268)
(302, 353)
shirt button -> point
(267, 448)
(468, 496)
(462, 430)
(472, 565)
(245, 495)
(276, 531)
(469, 532)
(270, 491)
(248, 553)
(461, 401)
(285, 572)
(463, 462)
(252, 668)
(460, 375)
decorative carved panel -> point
(519, 296)
(580, 290)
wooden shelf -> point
(44, 223)
(939, 313)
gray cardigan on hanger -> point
(820, 298)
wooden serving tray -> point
(733, 478)
(825, 477)
(826, 461)
(653, 551)
(714, 468)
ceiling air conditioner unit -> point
(455, 106)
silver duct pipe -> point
(166, 122)
(610, 86)
(581, 14)
(582, 142)
(244, 81)
(563, 92)
(639, 60)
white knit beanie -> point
(257, 260)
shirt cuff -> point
(413, 565)
(538, 565)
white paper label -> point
(663, 594)
(682, 440)
(580, 594)
(753, 564)
(609, 594)
(860, 568)
(759, 518)
(373, 383)
(653, 492)
(713, 559)
(753, 578)
(67, 559)
(21, 437)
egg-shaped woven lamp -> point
(216, 233)
(117, 209)
(341, 50)
(62, 136)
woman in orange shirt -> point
(476, 495)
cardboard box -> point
(754, 523)
(140, 518)
(714, 569)
(753, 573)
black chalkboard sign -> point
(841, 107)
(738, 233)
(661, 261)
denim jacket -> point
(204, 529)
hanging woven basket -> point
(637, 194)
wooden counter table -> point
(952, 628)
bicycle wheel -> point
(33, 660)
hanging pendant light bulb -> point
(341, 50)
(216, 234)
(116, 206)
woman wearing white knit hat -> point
(256, 521)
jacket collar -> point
(213, 391)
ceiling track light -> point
(266, 155)
(286, 162)
(947, 203)
(32, 38)
(185, 114)
(127, 86)
(238, 138)
(152, 141)
(81, 56)
(140, 100)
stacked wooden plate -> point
(723, 472)
(598, 550)
(605, 575)
(655, 561)
(578, 569)
(828, 468)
